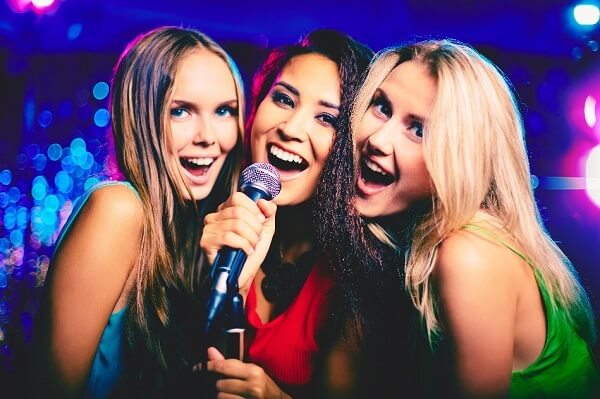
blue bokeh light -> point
(32, 150)
(101, 117)
(16, 237)
(22, 217)
(90, 182)
(14, 194)
(39, 162)
(77, 146)
(63, 182)
(3, 200)
(38, 191)
(10, 218)
(54, 152)
(45, 118)
(100, 90)
(48, 217)
(68, 164)
(52, 203)
(74, 31)
(5, 177)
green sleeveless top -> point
(565, 368)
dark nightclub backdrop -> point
(56, 59)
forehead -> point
(313, 74)
(411, 83)
(202, 69)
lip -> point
(286, 175)
(368, 189)
(370, 159)
(194, 179)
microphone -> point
(258, 181)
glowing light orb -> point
(586, 14)
(592, 175)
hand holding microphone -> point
(242, 227)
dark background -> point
(54, 64)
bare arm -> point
(478, 301)
(88, 274)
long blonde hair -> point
(475, 152)
(141, 91)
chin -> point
(198, 193)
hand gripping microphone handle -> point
(258, 181)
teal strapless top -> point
(107, 366)
(565, 368)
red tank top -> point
(287, 346)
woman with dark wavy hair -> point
(300, 96)
(126, 276)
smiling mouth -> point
(284, 160)
(372, 175)
(197, 166)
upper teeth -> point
(284, 155)
(374, 167)
(201, 161)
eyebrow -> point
(295, 91)
(191, 105)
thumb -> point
(214, 354)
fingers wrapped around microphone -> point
(240, 223)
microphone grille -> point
(261, 175)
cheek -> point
(322, 145)
(179, 137)
(368, 125)
(229, 137)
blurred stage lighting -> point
(589, 110)
(42, 3)
(37, 6)
(586, 14)
(592, 175)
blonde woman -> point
(443, 176)
(123, 288)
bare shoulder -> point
(116, 202)
(467, 255)
(108, 226)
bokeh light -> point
(101, 117)
(74, 31)
(592, 175)
(100, 90)
(586, 14)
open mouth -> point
(197, 166)
(286, 161)
(372, 175)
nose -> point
(295, 128)
(205, 134)
(380, 142)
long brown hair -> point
(168, 266)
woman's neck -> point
(295, 231)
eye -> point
(283, 99)
(416, 127)
(327, 119)
(226, 111)
(381, 106)
(180, 112)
